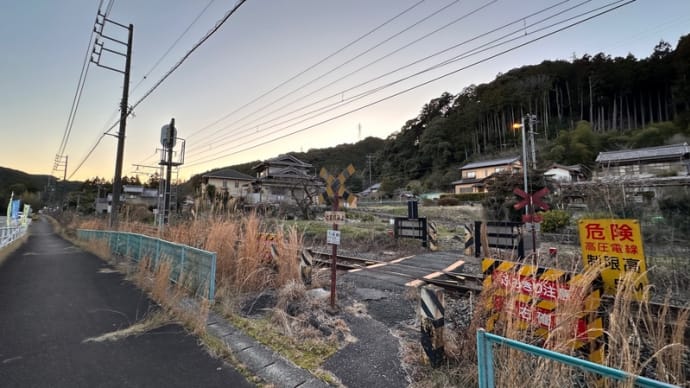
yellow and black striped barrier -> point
(540, 298)
(432, 236)
(432, 310)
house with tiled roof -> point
(662, 161)
(283, 179)
(227, 182)
(475, 174)
(560, 173)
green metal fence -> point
(485, 357)
(197, 266)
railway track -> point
(461, 282)
(450, 280)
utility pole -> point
(124, 105)
(532, 120)
(524, 159)
(60, 165)
(369, 157)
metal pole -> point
(334, 255)
(524, 159)
(529, 207)
(532, 119)
(168, 172)
(124, 111)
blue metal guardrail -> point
(485, 357)
(10, 234)
(198, 266)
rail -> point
(197, 266)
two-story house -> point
(474, 175)
(283, 179)
(227, 182)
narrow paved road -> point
(54, 296)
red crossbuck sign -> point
(531, 199)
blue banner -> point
(15, 209)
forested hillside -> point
(613, 102)
(25, 186)
(583, 106)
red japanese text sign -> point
(617, 245)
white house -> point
(561, 173)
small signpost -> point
(335, 189)
(331, 217)
(333, 237)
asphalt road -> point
(54, 296)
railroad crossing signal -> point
(335, 186)
(335, 189)
(531, 199)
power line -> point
(167, 74)
(111, 3)
(165, 54)
(313, 80)
(359, 96)
(551, 33)
(466, 54)
(77, 94)
(194, 48)
(456, 20)
(311, 67)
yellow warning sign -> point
(617, 245)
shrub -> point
(470, 197)
(555, 221)
(675, 208)
(448, 201)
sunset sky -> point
(279, 75)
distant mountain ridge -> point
(32, 182)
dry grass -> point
(151, 322)
(646, 340)
(639, 341)
(244, 263)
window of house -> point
(225, 184)
(471, 174)
(237, 184)
(499, 169)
